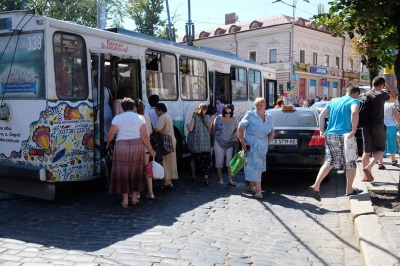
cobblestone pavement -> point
(188, 225)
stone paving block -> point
(174, 262)
(10, 263)
(202, 263)
(9, 257)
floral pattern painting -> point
(65, 133)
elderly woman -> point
(224, 135)
(255, 129)
(165, 126)
(200, 143)
(128, 162)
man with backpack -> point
(374, 131)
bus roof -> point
(202, 49)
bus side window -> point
(71, 73)
(161, 75)
(193, 79)
(239, 84)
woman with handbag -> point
(128, 160)
(165, 126)
(199, 143)
(224, 136)
(255, 129)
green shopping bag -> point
(238, 162)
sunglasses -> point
(228, 113)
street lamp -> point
(292, 41)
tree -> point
(82, 12)
(146, 15)
(162, 33)
(7, 5)
(370, 27)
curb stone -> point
(373, 239)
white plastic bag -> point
(350, 148)
(158, 170)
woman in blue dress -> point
(255, 129)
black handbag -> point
(163, 142)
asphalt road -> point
(188, 225)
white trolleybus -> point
(51, 116)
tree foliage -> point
(82, 12)
(146, 15)
(372, 27)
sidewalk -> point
(379, 235)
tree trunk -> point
(373, 72)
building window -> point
(254, 25)
(253, 56)
(351, 65)
(219, 31)
(337, 62)
(204, 34)
(326, 60)
(315, 58)
(234, 29)
(302, 56)
(273, 56)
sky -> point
(206, 14)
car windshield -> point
(294, 119)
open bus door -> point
(220, 87)
(122, 79)
(271, 93)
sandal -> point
(206, 180)
(166, 187)
(124, 205)
(231, 183)
(356, 191)
(258, 195)
(381, 166)
(252, 189)
(394, 162)
(220, 182)
(134, 202)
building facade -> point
(322, 66)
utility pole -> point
(101, 15)
(189, 28)
(170, 32)
(291, 83)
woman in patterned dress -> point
(165, 126)
(255, 129)
(200, 144)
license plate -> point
(283, 142)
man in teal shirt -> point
(343, 118)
